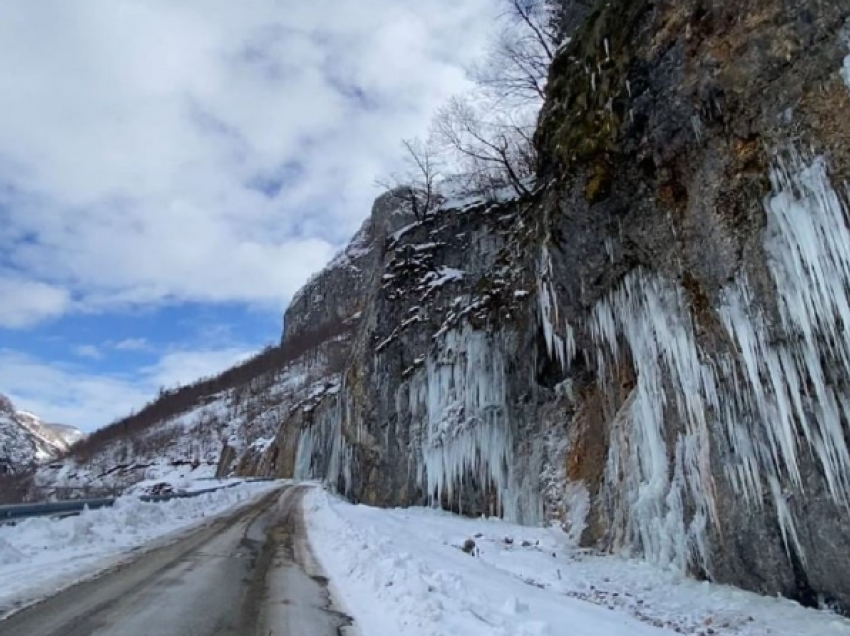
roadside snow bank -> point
(403, 572)
(175, 482)
(40, 556)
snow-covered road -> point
(238, 575)
(41, 556)
(257, 565)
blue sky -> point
(171, 173)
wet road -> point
(247, 574)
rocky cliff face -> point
(694, 240)
(651, 349)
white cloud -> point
(88, 351)
(23, 302)
(210, 151)
(131, 344)
(180, 367)
(69, 394)
(66, 394)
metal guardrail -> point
(22, 511)
(16, 512)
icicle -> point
(774, 396)
(559, 338)
(304, 455)
(786, 520)
(649, 317)
(809, 245)
(468, 432)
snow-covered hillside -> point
(212, 434)
(51, 440)
(70, 435)
(26, 440)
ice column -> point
(560, 343)
(467, 432)
(645, 321)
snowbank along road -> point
(244, 574)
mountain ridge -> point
(26, 440)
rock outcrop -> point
(694, 241)
(651, 349)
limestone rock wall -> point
(650, 350)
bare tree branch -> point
(534, 14)
(416, 185)
(486, 136)
(497, 148)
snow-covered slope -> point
(51, 440)
(418, 572)
(69, 435)
(25, 440)
(223, 430)
(17, 450)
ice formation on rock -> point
(795, 398)
(645, 320)
(467, 434)
(778, 392)
(304, 455)
(558, 335)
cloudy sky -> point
(172, 172)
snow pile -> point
(164, 479)
(403, 572)
(38, 556)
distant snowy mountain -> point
(69, 434)
(26, 440)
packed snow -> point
(404, 572)
(164, 479)
(444, 275)
(40, 556)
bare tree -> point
(486, 135)
(493, 148)
(517, 63)
(489, 131)
(416, 185)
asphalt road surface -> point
(247, 574)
